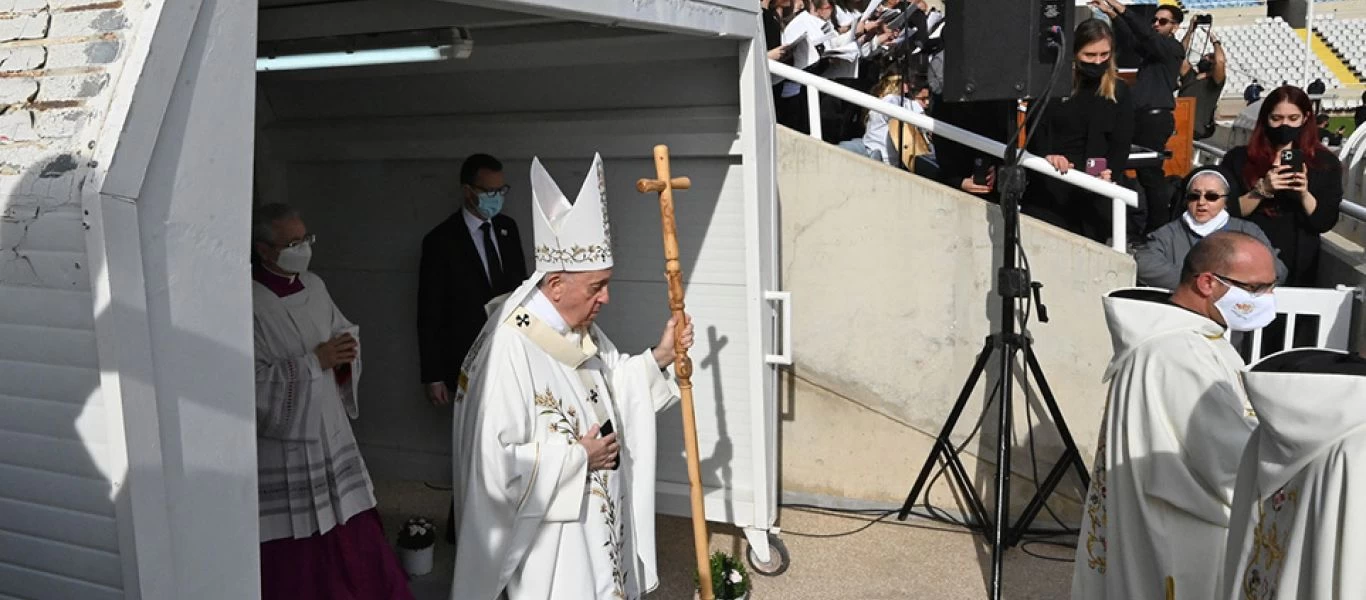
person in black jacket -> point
(1293, 207)
(1094, 123)
(467, 260)
(1158, 73)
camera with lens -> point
(1204, 20)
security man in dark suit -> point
(467, 260)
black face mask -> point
(1092, 71)
(1204, 66)
(1283, 134)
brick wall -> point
(57, 61)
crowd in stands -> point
(1283, 187)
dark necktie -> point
(491, 255)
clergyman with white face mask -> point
(1176, 421)
(1206, 199)
(315, 495)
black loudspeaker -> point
(1005, 49)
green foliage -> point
(729, 579)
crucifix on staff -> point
(664, 184)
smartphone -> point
(1293, 159)
(605, 431)
(980, 171)
(1094, 166)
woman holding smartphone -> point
(1089, 129)
(1287, 182)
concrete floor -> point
(832, 556)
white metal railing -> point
(1350, 154)
(816, 85)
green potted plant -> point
(416, 541)
(729, 579)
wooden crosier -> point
(664, 185)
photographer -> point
(1292, 204)
(1205, 81)
(1090, 129)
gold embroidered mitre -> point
(571, 237)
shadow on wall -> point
(68, 493)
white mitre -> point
(571, 237)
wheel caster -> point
(777, 562)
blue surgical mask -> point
(490, 204)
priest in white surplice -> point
(1176, 420)
(549, 507)
(1298, 530)
(321, 537)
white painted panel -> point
(38, 585)
(46, 307)
(52, 419)
(49, 382)
(72, 527)
(68, 560)
(48, 454)
(727, 17)
(52, 489)
(69, 347)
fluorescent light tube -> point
(357, 58)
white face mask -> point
(295, 258)
(1244, 312)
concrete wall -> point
(892, 278)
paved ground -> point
(834, 557)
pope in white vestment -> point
(536, 520)
(1175, 424)
(1298, 529)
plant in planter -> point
(416, 541)
(729, 579)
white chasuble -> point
(1176, 420)
(1298, 529)
(310, 473)
(534, 522)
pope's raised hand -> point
(664, 352)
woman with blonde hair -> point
(1091, 128)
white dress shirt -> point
(477, 234)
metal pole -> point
(813, 111)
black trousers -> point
(1151, 130)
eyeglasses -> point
(1164, 21)
(308, 239)
(1256, 289)
(497, 190)
(925, 98)
(1209, 196)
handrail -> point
(1345, 206)
(1121, 196)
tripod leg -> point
(943, 443)
(999, 527)
(1047, 392)
(1071, 456)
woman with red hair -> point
(1292, 206)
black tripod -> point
(1013, 285)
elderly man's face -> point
(578, 296)
(287, 231)
(1206, 198)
